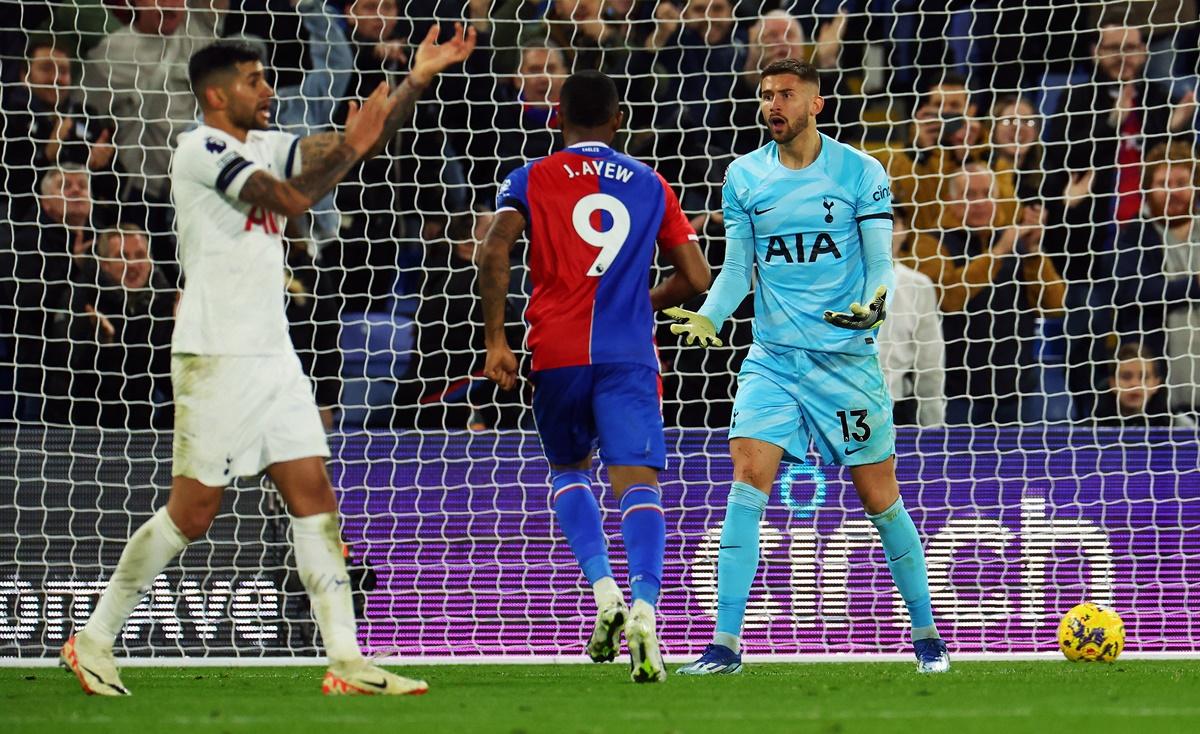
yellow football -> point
(1090, 632)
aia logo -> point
(262, 218)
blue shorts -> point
(789, 397)
(617, 405)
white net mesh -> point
(1040, 345)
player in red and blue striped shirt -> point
(595, 220)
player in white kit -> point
(242, 403)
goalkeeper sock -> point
(737, 560)
(318, 544)
(147, 553)
(906, 559)
(579, 516)
(645, 532)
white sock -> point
(733, 642)
(607, 593)
(318, 543)
(147, 553)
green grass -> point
(1053, 696)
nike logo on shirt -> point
(854, 450)
(759, 212)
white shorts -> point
(235, 416)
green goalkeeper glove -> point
(860, 316)
(693, 327)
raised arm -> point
(430, 60)
(494, 269)
(325, 160)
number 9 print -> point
(611, 241)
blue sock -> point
(737, 561)
(906, 559)
(579, 516)
(645, 531)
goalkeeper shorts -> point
(618, 406)
(235, 415)
(791, 397)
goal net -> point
(1041, 345)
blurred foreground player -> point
(594, 217)
(242, 403)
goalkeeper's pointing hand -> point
(860, 316)
(693, 327)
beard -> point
(249, 120)
(792, 131)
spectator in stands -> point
(1016, 145)
(1136, 395)
(1106, 125)
(138, 77)
(778, 35)
(122, 317)
(63, 229)
(946, 134)
(1094, 155)
(697, 45)
(393, 201)
(1018, 157)
(36, 278)
(77, 25)
(994, 282)
(1171, 44)
(523, 124)
(41, 125)
(911, 346)
(595, 34)
(1158, 270)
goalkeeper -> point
(815, 215)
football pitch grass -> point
(1139, 696)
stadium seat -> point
(376, 349)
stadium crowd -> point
(1042, 159)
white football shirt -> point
(231, 252)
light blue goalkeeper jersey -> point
(803, 229)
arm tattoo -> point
(313, 148)
(326, 160)
(325, 164)
(494, 270)
(406, 95)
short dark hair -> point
(216, 58)
(588, 99)
(802, 69)
(1134, 350)
(948, 79)
(43, 40)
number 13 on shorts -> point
(860, 431)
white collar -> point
(588, 144)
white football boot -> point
(93, 665)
